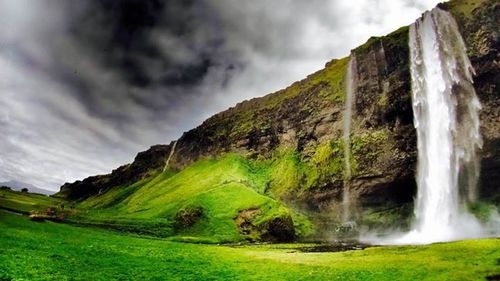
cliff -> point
(296, 133)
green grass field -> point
(51, 251)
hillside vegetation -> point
(214, 200)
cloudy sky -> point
(85, 85)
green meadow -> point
(53, 251)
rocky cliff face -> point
(479, 24)
(306, 119)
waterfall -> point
(169, 156)
(445, 108)
(350, 81)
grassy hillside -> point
(214, 200)
(28, 202)
(50, 251)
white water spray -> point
(350, 81)
(170, 156)
(445, 108)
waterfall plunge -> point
(445, 108)
(350, 81)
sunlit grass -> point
(50, 251)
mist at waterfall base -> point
(446, 119)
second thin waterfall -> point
(351, 77)
(172, 151)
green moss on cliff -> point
(289, 172)
(334, 77)
(259, 114)
(462, 8)
(285, 172)
(329, 80)
(328, 160)
(398, 38)
(366, 149)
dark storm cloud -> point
(85, 85)
(120, 34)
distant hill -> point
(17, 185)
